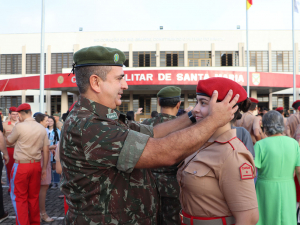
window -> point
(55, 104)
(61, 60)
(11, 64)
(124, 107)
(259, 60)
(33, 63)
(144, 59)
(126, 63)
(29, 99)
(9, 101)
(199, 58)
(227, 58)
(171, 58)
(282, 61)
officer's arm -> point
(257, 130)
(178, 145)
(248, 217)
(13, 137)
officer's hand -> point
(223, 112)
(43, 177)
(6, 158)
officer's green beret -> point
(99, 56)
(56, 114)
(169, 92)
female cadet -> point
(43, 119)
(216, 182)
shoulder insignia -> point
(246, 171)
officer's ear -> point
(95, 83)
(178, 105)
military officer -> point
(165, 177)
(106, 161)
(293, 121)
(251, 122)
(30, 138)
(7, 129)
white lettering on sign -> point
(73, 79)
(139, 77)
(161, 76)
(236, 78)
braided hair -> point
(56, 137)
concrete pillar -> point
(253, 94)
(158, 106)
(48, 71)
(76, 47)
(131, 101)
(104, 45)
(297, 58)
(157, 55)
(270, 57)
(64, 102)
(270, 100)
(185, 55)
(186, 100)
(213, 55)
(23, 71)
(242, 54)
(75, 97)
(130, 56)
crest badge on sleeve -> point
(246, 171)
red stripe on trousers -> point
(10, 163)
(25, 186)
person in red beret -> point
(217, 181)
(7, 129)
(251, 122)
(29, 138)
(293, 121)
(281, 111)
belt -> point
(26, 161)
(187, 219)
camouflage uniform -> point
(166, 181)
(98, 157)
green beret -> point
(99, 56)
(169, 92)
(56, 114)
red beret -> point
(253, 100)
(23, 106)
(279, 109)
(72, 106)
(12, 109)
(296, 104)
(222, 85)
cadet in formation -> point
(165, 177)
(251, 122)
(281, 111)
(106, 161)
(293, 121)
(7, 129)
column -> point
(186, 100)
(48, 71)
(158, 106)
(130, 56)
(131, 101)
(270, 57)
(75, 48)
(270, 99)
(186, 56)
(75, 97)
(253, 93)
(64, 102)
(213, 57)
(297, 67)
(242, 54)
(23, 71)
(157, 56)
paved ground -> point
(54, 206)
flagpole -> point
(248, 88)
(42, 58)
(294, 70)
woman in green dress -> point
(276, 158)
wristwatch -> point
(191, 116)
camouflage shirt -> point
(98, 154)
(165, 177)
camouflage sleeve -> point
(143, 128)
(132, 150)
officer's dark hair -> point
(56, 137)
(130, 115)
(25, 111)
(243, 106)
(40, 117)
(280, 111)
(154, 114)
(252, 106)
(83, 74)
(169, 102)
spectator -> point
(59, 124)
(276, 158)
(43, 119)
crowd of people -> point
(223, 161)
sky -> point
(24, 16)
